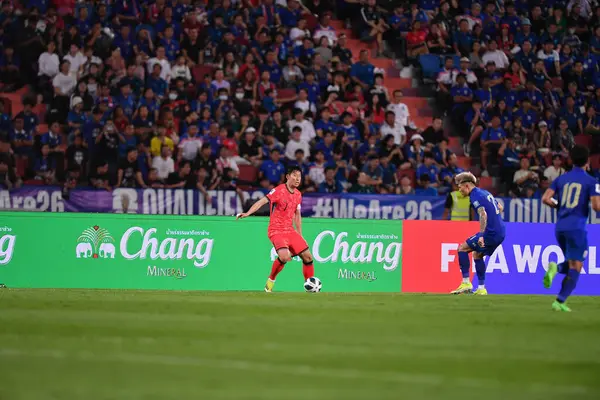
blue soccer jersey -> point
(573, 191)
(495, 225)
(494, 233)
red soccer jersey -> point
(283, 205)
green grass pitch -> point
(85, 344)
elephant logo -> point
(83, 250)
(107, 250)
(95, 242)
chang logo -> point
(7, 248)
(95, 242)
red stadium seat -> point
(464, 162)
(21, 164)
(411, 173)
(286, 94)
(595, 161)
(486, 182)
(584, 140)
(199, 71)
(558, 83)
(248, 174)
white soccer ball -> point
(313, 285)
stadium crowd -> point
(184, 94)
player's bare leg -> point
(465, 264)
(480, 268)
(308, 268)
(283, 257)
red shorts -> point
(289, 240)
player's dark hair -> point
(291, 169)
(579, 155)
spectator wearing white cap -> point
(470, 76)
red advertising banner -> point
(430, 257)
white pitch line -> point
(298, 369)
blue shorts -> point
(490, 245)
(574, 244)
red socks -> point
(276, 268)
(308, 270)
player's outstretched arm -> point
(255, 207)
(548, 198)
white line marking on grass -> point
(299, 369)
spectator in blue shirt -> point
(528, 116)
(312, 88)
(170, 43)
(273, 67)
(30, 120)
(511, 18)
(22, 139)
(527, 57)
(425, 188)
(290, 15)
(491, 140)
(325, 123)
(273, 169)
(462, 96)
(330, 184)
(509, 94)
(462, 39)
(158, 85)
(349, 129)
(124, 42)
(572, 115)
(363, 72)
(525, 33)
(430, 169)
(5, 122)
(126, 100)
(534, 95)
(326, 145)
(45, 166)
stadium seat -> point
(456, 60)
(7, 105)
(248, 174)
(409, 173)
(464, 162)
(486, 182)
(286, 94)
(21, 165)
(42, 128)
(595, 161)
(455, 146)
(199, 71)
(558, 83)
(431, 65)
(584, 140)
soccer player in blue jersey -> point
(571, 194)
(483, 243)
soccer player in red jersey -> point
(285, 202)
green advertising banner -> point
(113, 251)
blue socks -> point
(480, 269)
(464, 262)
(568, 285)
(563, 267)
